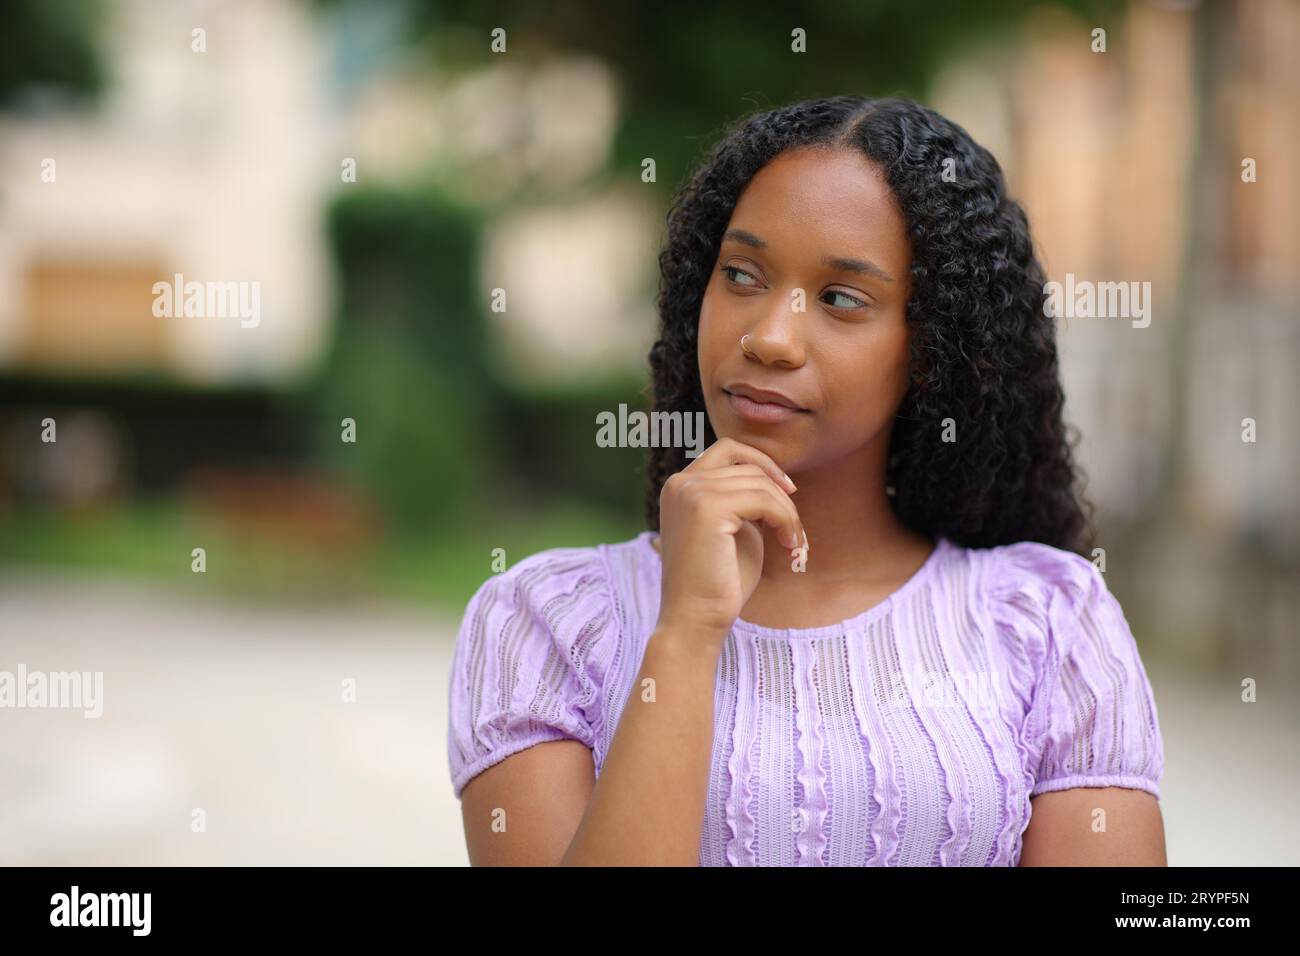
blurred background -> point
(379, 170)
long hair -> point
(983, 349)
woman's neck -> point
(853, 531)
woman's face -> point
(824, 224)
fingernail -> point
(789, 482)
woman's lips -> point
(761, 411)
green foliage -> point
(550, 438)
(50, 43)
(408, 261)
(440, 438)
(408, 362)
(420, 437)
(152, 542)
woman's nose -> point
(777, 337)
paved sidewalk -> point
(237, 710)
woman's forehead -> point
(823, 202)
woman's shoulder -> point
(564, 568)
(532, 655)
(1056, 620)
(559, 587)
(1074, 662)
(1034, 569)
(1037, 594)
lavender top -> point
(913, 733)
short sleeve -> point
(1091, 718)
(527, 662)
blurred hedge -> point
(440, 438)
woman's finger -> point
(728, 451)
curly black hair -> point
(983, 349)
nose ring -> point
(742, 345)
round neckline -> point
(861, 619)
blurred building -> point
(213, 165)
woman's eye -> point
(730, 269)
(741, 277)
(853, 302)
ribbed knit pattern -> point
(912, 734)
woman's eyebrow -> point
(839, 263)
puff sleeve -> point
(1091, 716)
(527, 661)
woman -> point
(860, 629)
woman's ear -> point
(919, 374)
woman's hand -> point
(709, 540)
